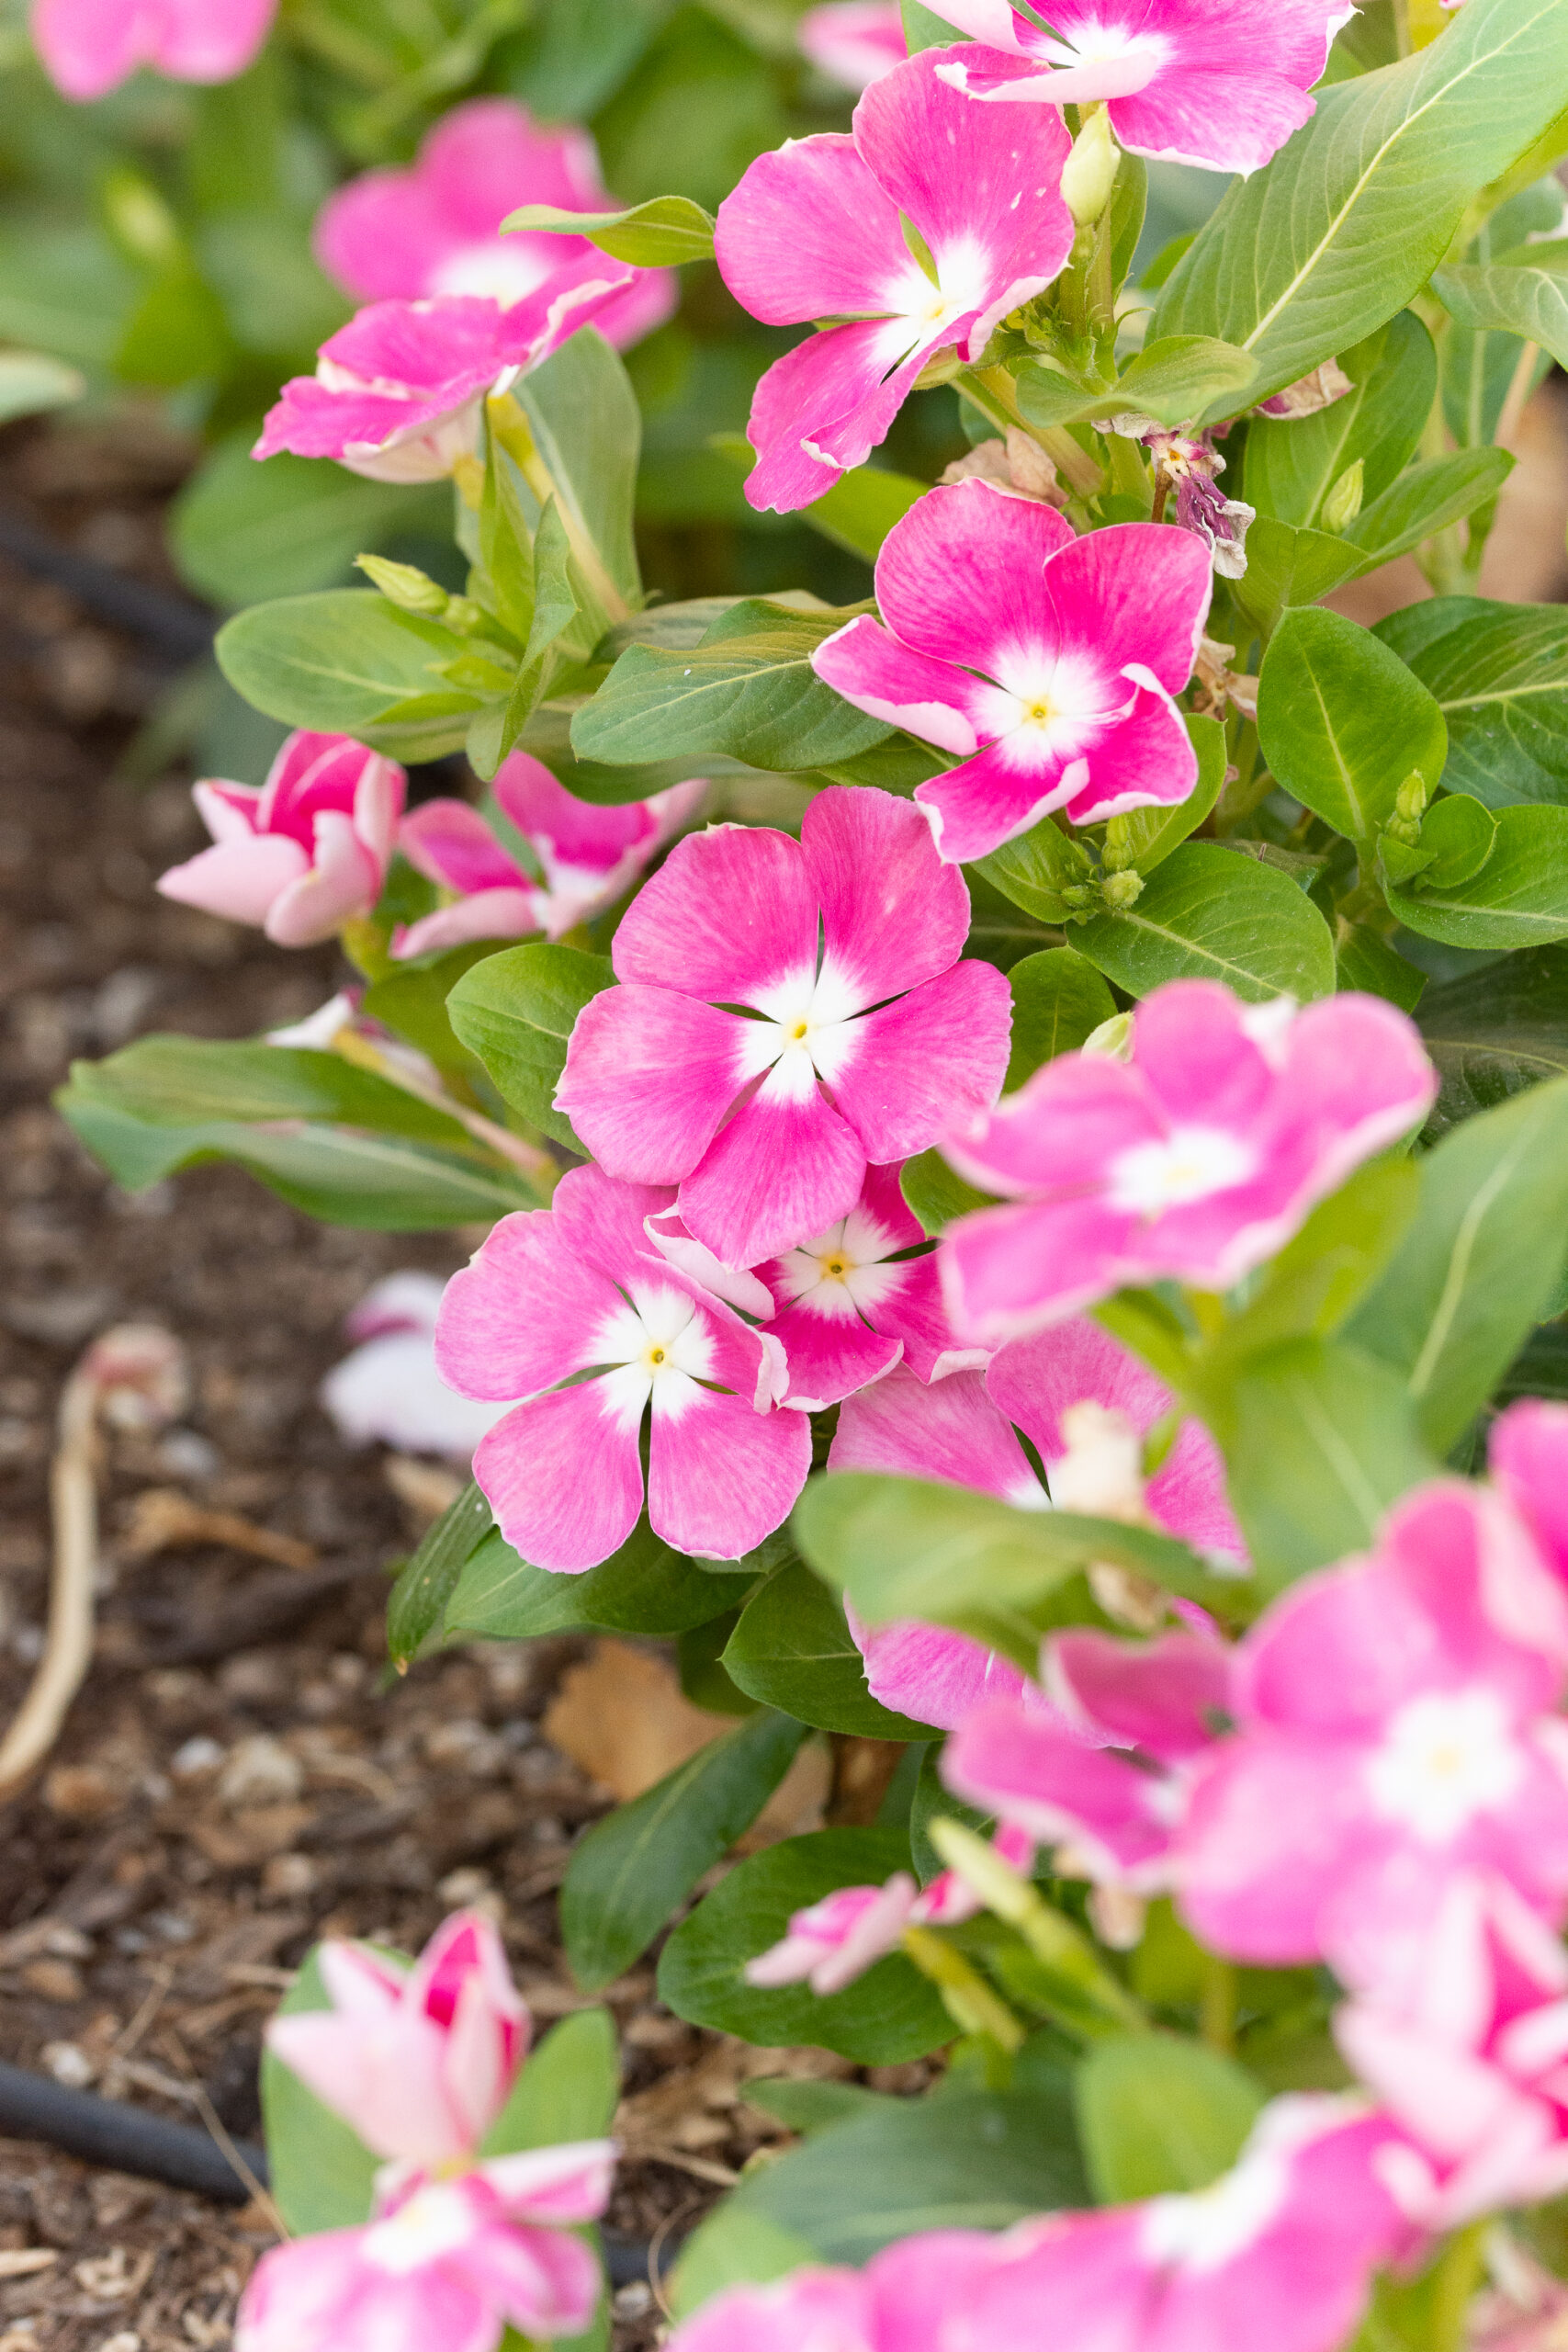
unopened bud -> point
(1343, 502)
(1410, 800)
(1121, 892)
(1119, 853)
(467, 615)
(999, 1887)
(1089, 172)
(1113, 1039)
(406, 585)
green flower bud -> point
(1089, 172)
(1123, 890)
(1343, 502)
(406, 585)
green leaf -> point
(807, 2106)
(1302, 260)
(515, 1011)
(1286, 566)
(937, 1194)
(173, 1081)
(1206, 914)
(1173, 379)
(1520, 899)
(30, 382)
(1496, 1032)
(1159, 2116)
(862, 508)
(1342, 722)
(889, 2015)
(323, 2174)
(1058, 1001)
(568, 2088)
(1316, 1278)
(1500, 674)
(176, 331)
(244, 533)
(636, 1867)
(748, 690)
(1033, 870)
(347, 662)
(1150, 834)
(65, 292)
(1457, 837)
(1523, 293)
(411, 999)
(1292, 463)
(1423, 501)
(1365, 960)
(793, 1649)
(1479, 1264)
(587, 428)
(645, 1588)
(660, 234)
(429, 1578)
(1319, 1440)
(924, 29)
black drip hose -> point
(176, 629)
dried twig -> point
(162, 1518)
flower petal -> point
(948, 1431)
(962, 576)
(238, 878)
(1136, 592)
(450, 843)
(722, 1476)
(852, 377)
(1146, 760)
(935, 1055)
(648, 1077)
(563, 1476)
(1004, 791)
(892, 915)
(523, 1314)
(809, 235)
(730, 916)
(829, 1356)
(935, 700)
(785, 1167)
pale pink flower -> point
(1218, 82)
(388, 1390)
(579, 1289)
(1195, 1159)
(1049, 664)
(307, 852)
(586, 857)
(449, 2260)
(666, 1086)
(1396, 1727)
(850, 1303)
(832, 1942)
(1467, 2048)
(901, 2301)
(88, 46)
(397, 394)
(854, 41)
(816, 231)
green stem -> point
(993, 392)
(1457, 2276)
(1216, 2014)
(969, 2000)
(510, 429)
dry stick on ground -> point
(163, 1519)
(134, 1375)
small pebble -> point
(69, 2063)
(260, 1770)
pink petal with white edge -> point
(1165, 1697)
(785, 1167)
(1226, 122)
(563, 1478)
(344, 880)
(1059, 1130)
(738, 1286)
(450, 843)
(489, 914)
(604, 1223)
(571, 297)
(1146, 760)
(318, 2293)
(914, 1313)
(522, 1315)
(867, 665)
(934, 1056)
(383, 2075)
(844, 246)
(649, 1075)
(930, 1674)
(892, 915)
(722, 1476)
(1139, 593)
(566, 2183)
(840, 374)
(1042, 1776)
(962, 576)
(1003, 792)
(239, 878)
(231, 812)
(829, 1356)
(731, 915)
(948, 1431)
(1528, 1454)
(546, 2283)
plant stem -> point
(510, 429)
(969, 2000)
(1455, 2280)
(1216, 2014)
(534, 1164)
(996, 395)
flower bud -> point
(1343, 502)
(1123, 890)
(1112, 1038)
(1089, 172)
(406, 585)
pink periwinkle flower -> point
(580, 1289)
(587, 857)
(816, 231)
(1396, 1727)
(435, 227)
(1218, 82)
(1528, 1454)
(854, 41)
(397, 394)
(448, 2260)
(860, 1030)
(1049, 664)
(850, 1303)
(900, 2303)
(1195, 1159)
(304, 853)
(832, 1942)
(388, 1390)
(88, 46)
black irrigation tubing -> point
(178, 629)
(122, 2138)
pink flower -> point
(1218, 82)
(578, 1289)
(854, 41)
(900, 2303)
(665, 1086)
(449, 2261)
(1195, 1159)
(1395, 1727)
(1527, 1451)
(816, 231)
(1280, 2250)
(1071, 652)
(388, 1390)
(434, 228)
(88, 46)
(850, 1305)
(587, 857)
(1467, 2056)
(419, 2061)
(397, 394)
(831, 1943)
(307, 852)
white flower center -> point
(660, 1347)
(435, 2221)
(1445, 1759)
(504, 270)
(806, 1032)
(840, 1273)
(1186, 1165)
(1206, 2231)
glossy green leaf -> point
(1173, 379)
(587, 428)
(1523, 293)
(1496, 1032)
(568, 2088)
(1316, 1278)
(1425, 501)
(636, 1867)
(347, 662)
(793, 1649)
(1458, 836)
(1208, 914)
(173, 1081)
(1033, 870)
(1364, 960)
(1148, 835)
(244, 533)
(1292, 463)
(323, 2174)
(1481, 1262)
(1159, 2116)
(1500, 675)
(1058, 1003)
(862, 508)
(645, 1588)
(429, 1578)
(1519, 898)
(1286, 566)
(515, 1011)
(660, 234)
(1342, 722)
(889, 2015)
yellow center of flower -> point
(801, 1029)
(656, 1355)
(1039, 713)
(835, 1268)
